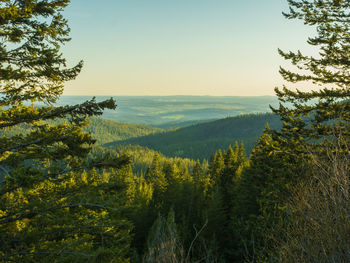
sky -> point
(180, 47)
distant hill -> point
(197, 141)
(104, 131)
(202, 140)
(176, 124)
(174, 111)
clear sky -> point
(180, 47)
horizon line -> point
(221, 96)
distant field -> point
(178, 111)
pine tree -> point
(227, 187)
(322, 113)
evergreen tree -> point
(197, 172)
(173, 189)
(241, 153)
(321, 113)
(230, 158)
(216, 216)
(50, 212)
(261, 192)
(32, 70)
(156, 175)
(317, 118)
(216, 166)
(236, 149)
(79, 218)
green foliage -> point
(328, 115)
(50, 209)
(77, 218)
(142, 157)
(105, 131)
(202, 199)
(282, 159)
(58, 203)
(201, 140)
(33, 70)
(261, 194)
(225, 175)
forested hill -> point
(197, 141)
(201, 140)
(142, 157)
(105, 131)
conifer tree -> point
(216, 166)
(241, 153)
(261, 192)
(216, 216)
(33, 71)
(230, 158)
(322, 112)
(318, 117)
(48, 209)
(173, 188)
(236, 149)
(156, 175)
(197, 172)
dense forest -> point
(197, 141)
(201, 140)
(254, 188)
(103, 131)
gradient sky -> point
(180, 47)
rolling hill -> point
(177, 111)
(104, 131)
(201, 140)
(198, 141)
